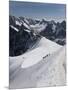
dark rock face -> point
(58, 35)
(48, 31)
(19, 42)
(12, 21)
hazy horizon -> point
(34, 10)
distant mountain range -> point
(25, 32)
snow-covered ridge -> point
(43, 48)
(38, 27)
(50, 71)
(18, 23)
(25, 23)
(14, 28)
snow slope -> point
(14, 28)
(43, 48)
(42, 66)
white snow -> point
(26, 21)
(44, 47)
(42, 66)
(38, 27)
(18, 23)
(27, 30)
(55, 73)
(14, 28)
(54, 28)
(26, 25)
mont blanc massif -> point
(36, 52)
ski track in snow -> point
(41, 66)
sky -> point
(37, 10)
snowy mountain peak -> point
(44, 48)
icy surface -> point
(39, 67)
(43, 48)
